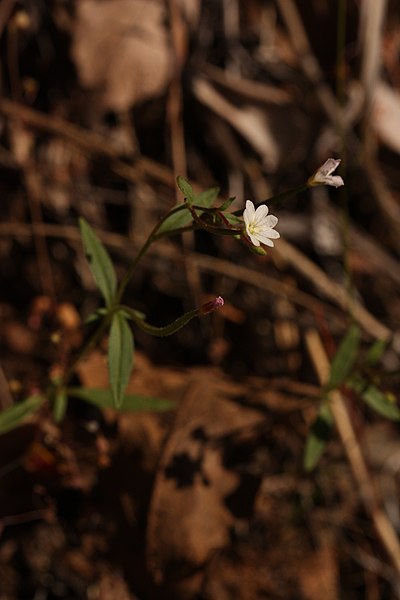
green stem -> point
(211, 228)
(90, 343)
(98, 333)
(166, 329)
(152, 238)
(279, 197)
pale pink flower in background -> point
(260, 225)
(323, 176)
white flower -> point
(259, 224)
(323, 176)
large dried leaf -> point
(121, 50)
(189, 519)
(385, 116)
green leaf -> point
(60, 405)
(176, 220)
(99, 262)
(207, 198)
(186, 189)
(11, 417)
(183, 218)
(95, 316)
(232, 219)
(120, 356)
(130, 402)
(318, 437)
(375, 353)
(375, 399)
(259, 250)
(344, 358)
(226, 204)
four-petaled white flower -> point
(323, 176)
(260, 225)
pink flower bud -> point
(209, 307)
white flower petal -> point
(254, 240)
(336, 181)
(265, 238)
(271, 221)
(323, 176)
(259, 224)
(273, 234)
(261, 212)
(267, 242)
(329, 166)
(250, 210)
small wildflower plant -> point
(255, 227)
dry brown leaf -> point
(188, 518)
(121, 50)
(385, 118)
(318, 576)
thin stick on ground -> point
(368, 493)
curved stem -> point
(279, 197)
(152, 237)
(210, 228)
(166, 329)
(98, 333)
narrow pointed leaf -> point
(345, 357)
(176, 220)
(186, 189)
(99, 262)
(380, 403)
(318, 438)
(226, 204)
(183, 218)
(375, 399)
(60, 405)
(13, 416)
(95, 316)
(120, 356)
(375, 353)
(130, 402)
(233, 220)
(206, 198)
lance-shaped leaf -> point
(186, 189)
(99, 262)
(375, 399)
(375, 353)
(60, 405)
(318, 437)
(120, 356)
(177, 220)
(130, 402)
(12, 417)
(344, 358)
(181, 216)
(206, 198)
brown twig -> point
(179, 37)
(88, 142)
(6, 8)
(332, 290)
(5, 396)
(34, 193)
